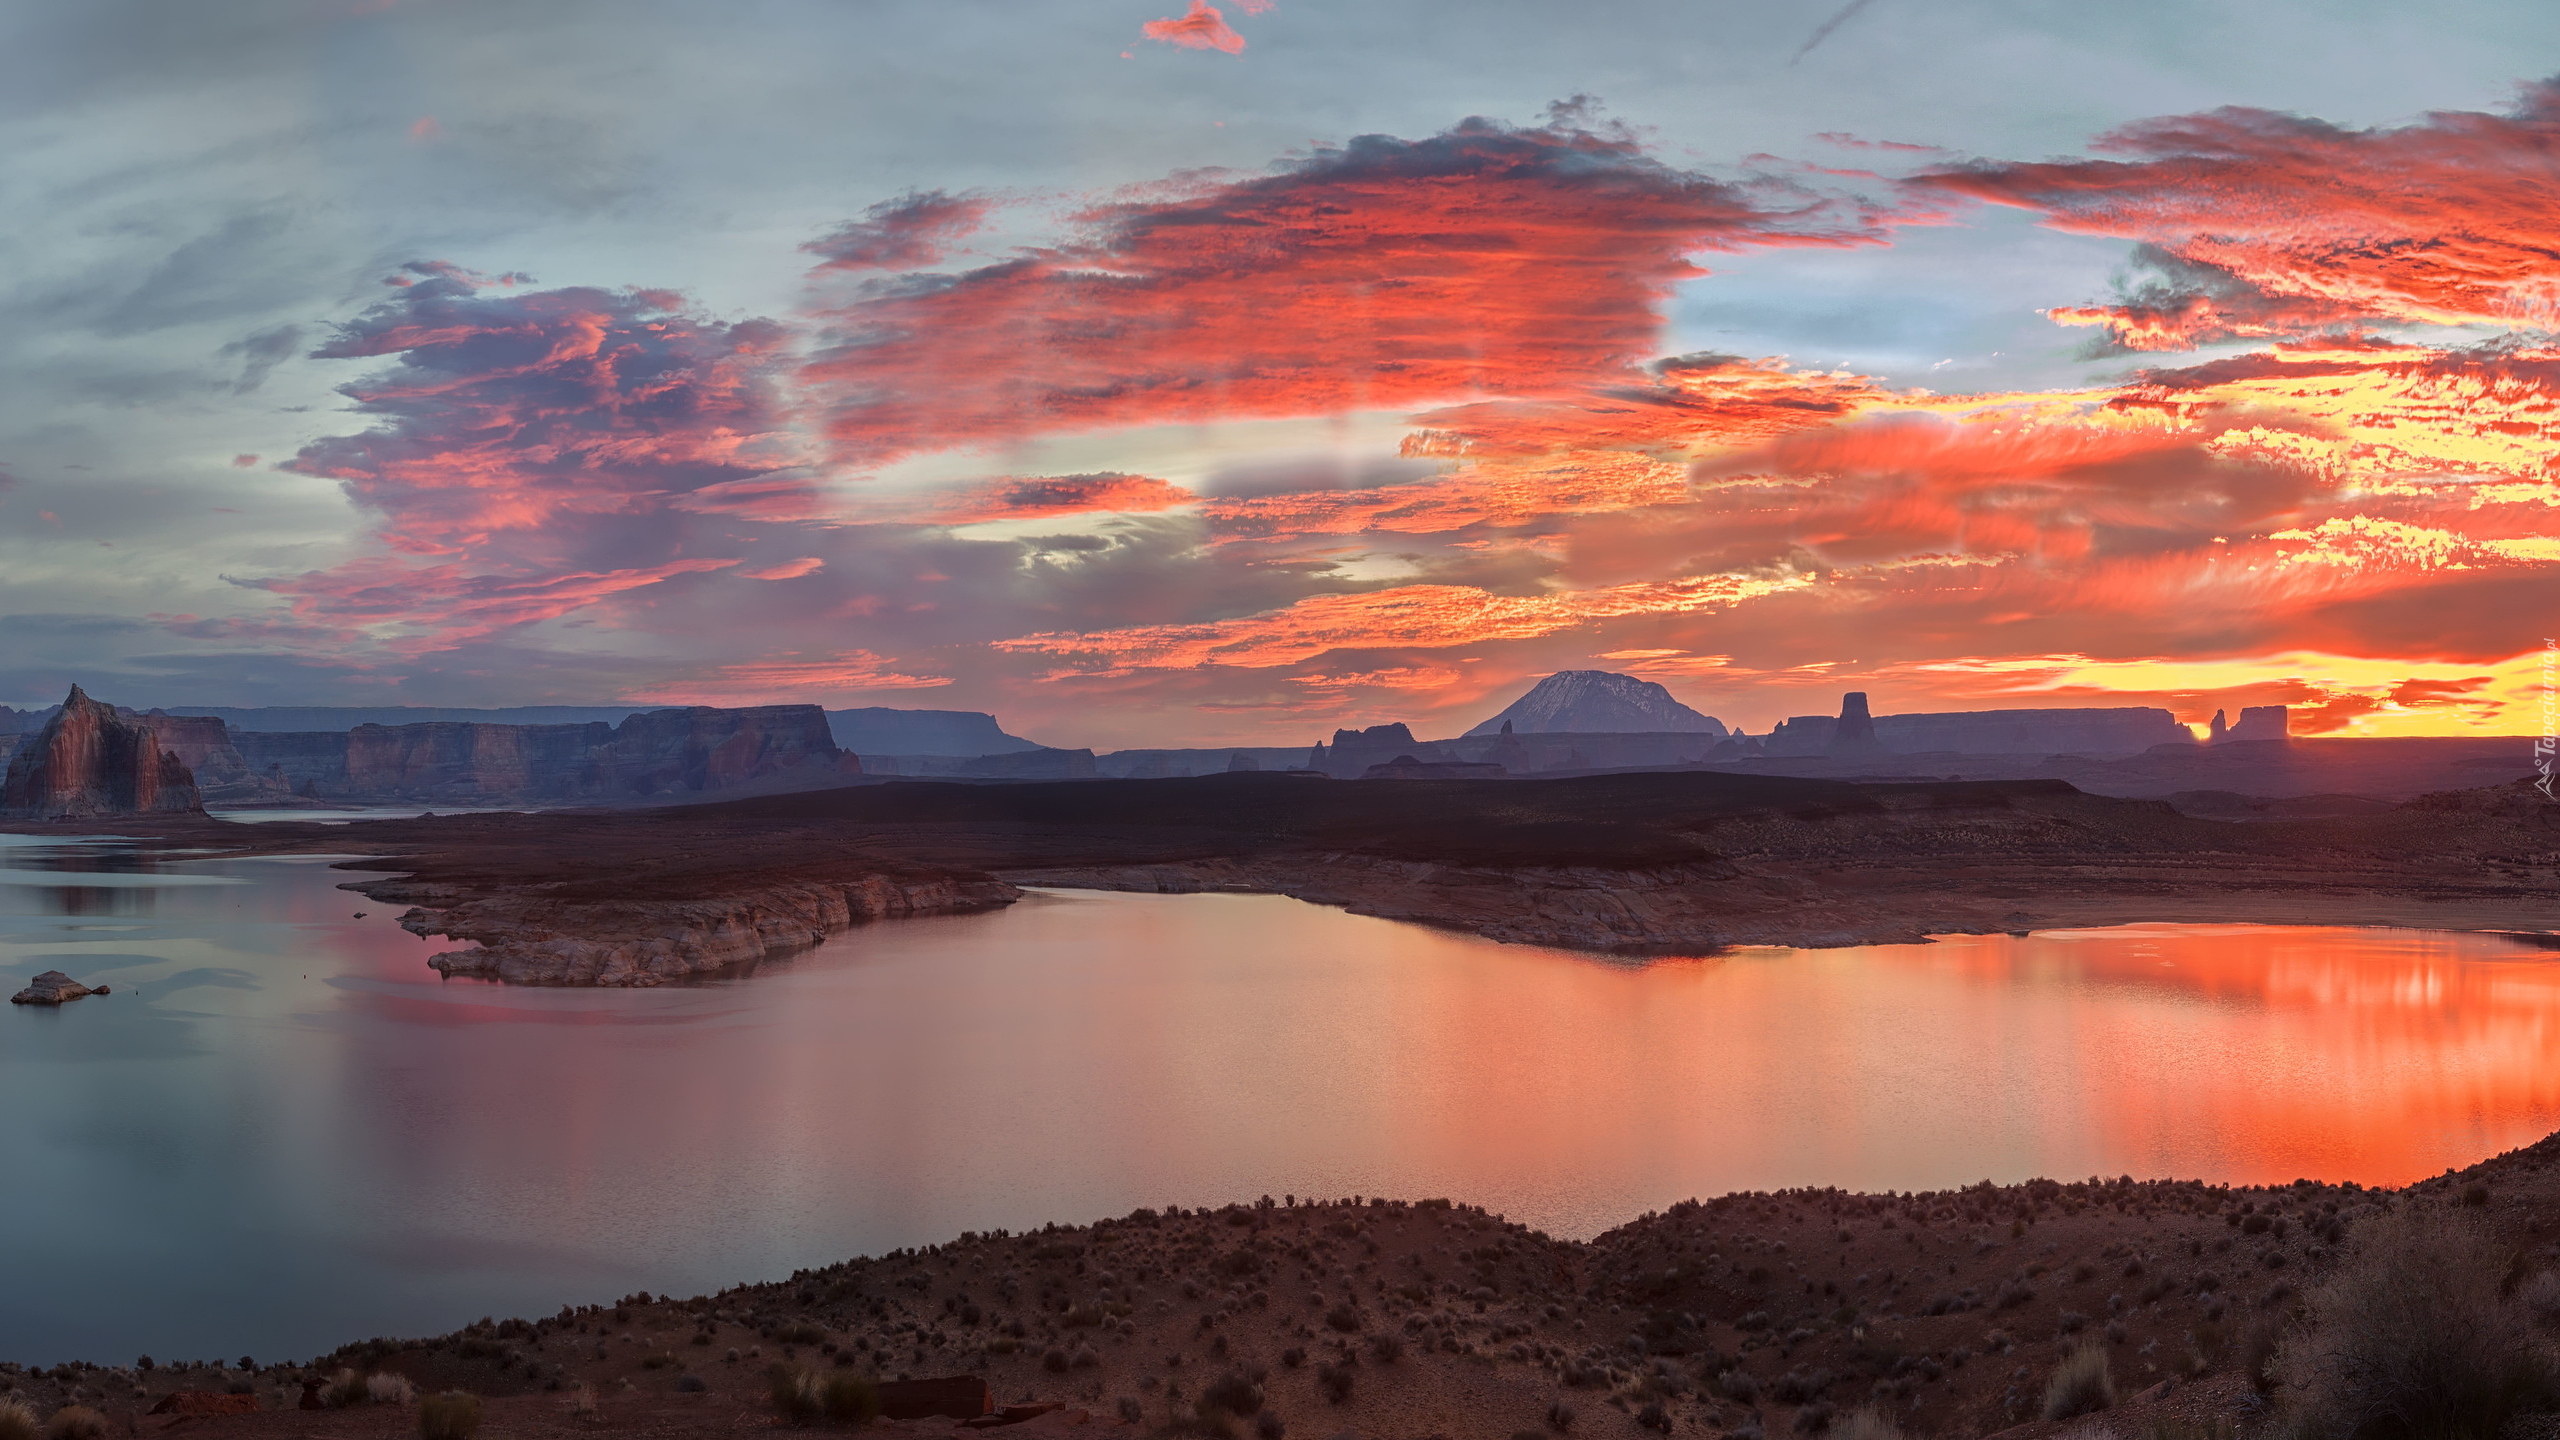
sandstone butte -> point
(91, 763)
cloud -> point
(915, 229)
(2187, 303)
(2451, 220)
(1412, 616)
(507, 410)
(1044, 495)
(1200, 28)
(1387, 273)
(261, 353)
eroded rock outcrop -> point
(91, 763)
(53, 988)
(533, 939)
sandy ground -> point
(1778, 1314)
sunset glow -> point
(989, 436)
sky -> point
(1228, 372)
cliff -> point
(91, 763)
(663, 754)
(959, 734)
(1596, 702)
(2126, 730)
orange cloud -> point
(1200, 28)
(1418, 616)
(2453, 219)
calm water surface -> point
(282, 1131)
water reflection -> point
(283, 1131)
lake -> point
(282, 1131)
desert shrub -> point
(1269, 1426)
(1867, 1423)
(1342, 1318)
(2413, 1337)
(581, 1403)
(1293, 1357)
(1654, 1417)
(453, 1415)
(1739, 1385)
(2013, 1295)
(2081, 1384)
(1054, 1360)
(849, 1398)
(1233, 1393)
(385, 1388)
(2541, 1296)
(1559, 1417)
(345, 1388)
(76, 1422)
(1385, 1348)
(1335, 1381)
(17, 1422)
(799, 1334)
(796, 1397)
(1814, 1419)
(1799, 1386)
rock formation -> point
(1405, 767)
(91, 763)
(1855, 731)
(1596, 702)
(960, 734)
(2262, 722)
(53, 988)
(661, 754)
(1352, 752)
(2124, 730)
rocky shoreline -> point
(529, 940)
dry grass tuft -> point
(2081, 1384)
(453, 1415)
(386, 1388)
(1866, 1424)
(76, 1422)
(2413, 1337)
(17, 1422)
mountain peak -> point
(1598, 702)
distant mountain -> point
(1596, 702)
(877, 730)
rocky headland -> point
(88, 763)
(2176, 1309)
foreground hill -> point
(2172, 1309)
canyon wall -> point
(656, 755)
(91, 763)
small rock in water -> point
(52, 988)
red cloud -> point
(1387, 273)
(1200, 28)
(2453, 219)
(901, 234)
